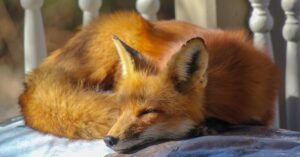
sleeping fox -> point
(132, 81)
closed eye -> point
(151, 110)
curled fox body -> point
(133, 81)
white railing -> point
(261, 23)
(148, 8)
(34, 37)
(291, 33)
(90, 9)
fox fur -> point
(179, 75)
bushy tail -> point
(55, 103)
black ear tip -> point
(115, 37)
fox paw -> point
(202, 130)
(210, 126)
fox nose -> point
(110, 141)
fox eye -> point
(151, 110)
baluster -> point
(148, 8)
(261, 23)
(291, 33)
(90, 9)
(34, 37)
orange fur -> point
(62, 95)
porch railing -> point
(261, 23)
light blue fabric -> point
(17, 140)
(240, 141)
(237, 141)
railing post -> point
(90, 9)
(261, 23)
(291, 33)
(148, 8)
(34, 37)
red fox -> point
(130, 81)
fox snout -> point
(110, 141)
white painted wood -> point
(200, 12)
(34, 37)
(213, 13)
(90, 9)
(261, 23)
(291, 33)
(148, 8)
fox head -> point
(158, 105)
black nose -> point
(110, 141)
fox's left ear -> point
(189, 64)
(130, 59)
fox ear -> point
(189, 64)
(130, 59)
